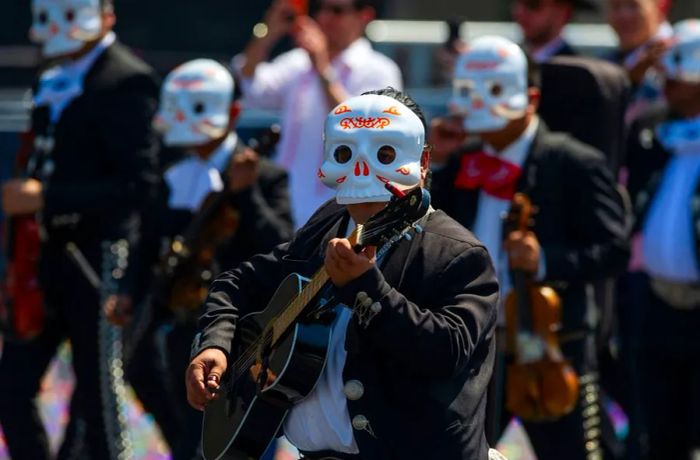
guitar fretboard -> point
(292, 312)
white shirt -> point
(668, 241)
(488, 224)
(321, 421)
(192, 179)
(59, 85)
(291, 84)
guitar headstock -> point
(400, 214)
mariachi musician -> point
(411, 347)
(92, 166)
(579, 230)
(222, 203)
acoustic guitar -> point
(281, 351)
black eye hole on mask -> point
(386, 154)
(342, 154)
(496, 89)
(43, 17)
(198, 108)
(70, 15)
(677, 58)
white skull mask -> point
(368, 141)
(195, 103)
(490, 84)
(682, 60)
(64, 26)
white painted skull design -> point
(64, 26)
(682, 60)
(368, 141)
(195, 103)
(490, 84)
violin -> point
(21, 298)
(540, 383)
(189, 265)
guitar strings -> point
(244, 362)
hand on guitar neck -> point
(343, 264)
(243, 170)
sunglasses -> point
(335, 9)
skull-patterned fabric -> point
(490, 84)
(64, 26)
(195, 103)
(682, 60)
(368, 141)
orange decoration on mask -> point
(404, 170)
(393, 110)
(342, 109)
(362, 122)
(320, 174)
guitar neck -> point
(311, 290)
(292, 312)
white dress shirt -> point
(488, 224)
(668, 242)
(192, 179)
(321, 421)
(290, 83)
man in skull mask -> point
(198, 112)
(579, 229)
(93, 166)
(664, 155)
(412, 341)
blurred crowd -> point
(132, 194)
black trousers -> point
(671, 380)
(577, 435)
(156, 371)
(73, 307)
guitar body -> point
(247, 416)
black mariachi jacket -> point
(105, 153)
(424, 360)
(581, 222)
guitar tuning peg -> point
(407, 236)
(418, 228)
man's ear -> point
(368, 14)
(533, 95)
(234, 112)
(109, 19)
(425, 161)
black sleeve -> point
(235, 293)
(265, 206)
(129, 147)
(598, 246)
(438, 341)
